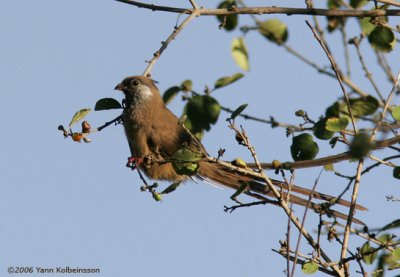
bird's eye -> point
(135, 82)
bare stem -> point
(338, 75)
(350, 217)
(368, 74)
(168, 41)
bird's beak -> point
(120, 87)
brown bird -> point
(154, 132)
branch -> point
(329, 159)
(266, 10)
(167, 42)
(389, 2)
(282, 201)
(350, 217)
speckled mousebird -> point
(154, 131)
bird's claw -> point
(134, 162)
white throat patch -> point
(144, 93)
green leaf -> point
(364, 106)
(333, 142)
(336, 124)
(229, 22)
(366, 248)
(382, 39)
(358, 3)
(240, 54)
(361, 106)
(303, 147)
(309, 268)
(361, 146)
(187, 85)
(394, 266)
(185, 161)
(171, 187)
(238, 110)
(78, 116)
(396, 172)
(366, 26)
(384, 238)
(198, 133)
(333, 110)
(170, 93)
(396, 113)
(334, 22)
(396, 254)
(212, 109)
(334, 4)
(300, 113)
(224, 81)
(320, 131)
(274, 30)
(329, 167)
(202, 111)
(107, 104)
(392, 225)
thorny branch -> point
(165, 44)
(266, 10)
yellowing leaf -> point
(224, 81)
(240, 54)
(396, 113)
(309, 268)
(186, 85)
(78, 116)
(336, 124)
(274, 30)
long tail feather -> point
(219, 174)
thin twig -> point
(322, 268)
(385, 108)
(303, 222)
(345, 80)
(368, 75)
(346, 49)
(338, 75)
(115, 121)
(389, 2)
(245, 205)
(194, 5)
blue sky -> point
(69, 204)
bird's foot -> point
(134, 162)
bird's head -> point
(137, 89)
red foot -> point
(134, 162)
